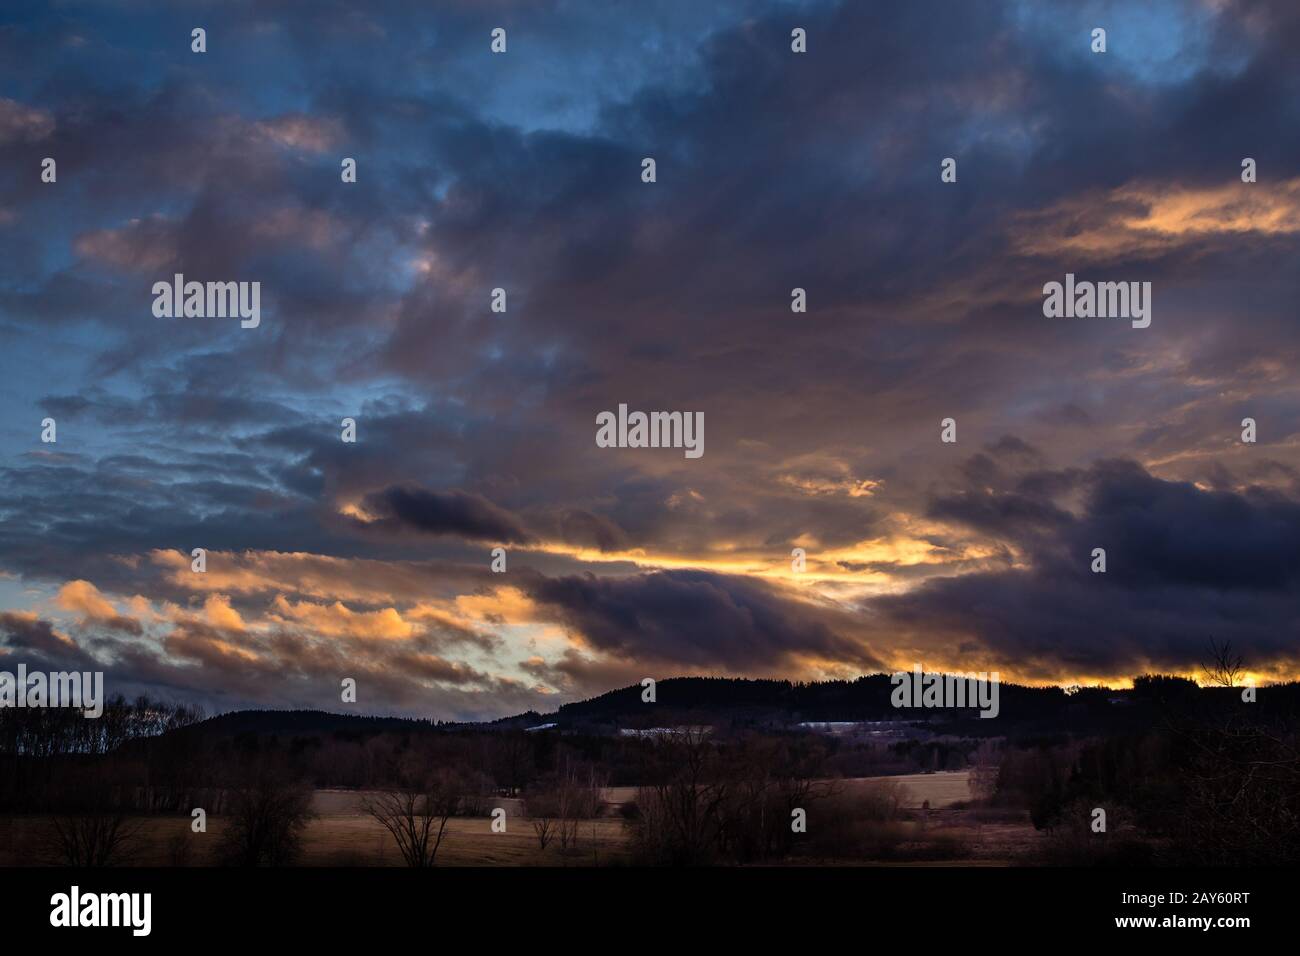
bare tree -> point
(93, 838)
(983, 778)
(1240, 794)
(92, 827)
(569, 799)
(681, 811)
(267, 817)
(1224, 667)
(543, 826)
(577, 798)
(416, 814)
(717, 798)
(541, 804)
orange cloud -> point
(1151, 218)
(220, 614)
(338, 620)
(82, 597)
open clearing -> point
(941, 789)
(342, 834)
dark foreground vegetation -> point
(1183, 775)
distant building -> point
(657, 732)
(893, 729)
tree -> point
(416, 813)
(711, 798)
(267, 817)
(983, 779)
(680, 819)
(542, 827)
(542, 806)
(92, 827)
(1224, 667)
(92, 839)
(512, 760)
(576, 797)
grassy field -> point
(941, 789)
(342, 834)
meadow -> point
(342, 833)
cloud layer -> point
(475, 428)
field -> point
(942, 790)
(342, 834)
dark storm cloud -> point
(1183, 565)
(27, 634)
(1174, 534)
(698, 619)
(585, 529)
(452, 512)
(1170, 533)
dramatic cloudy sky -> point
(477, 429)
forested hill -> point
(780, 703)
(867, 698)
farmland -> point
(341, 833)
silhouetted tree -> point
(416, 812)
(266, 818)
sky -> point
(476, 429)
